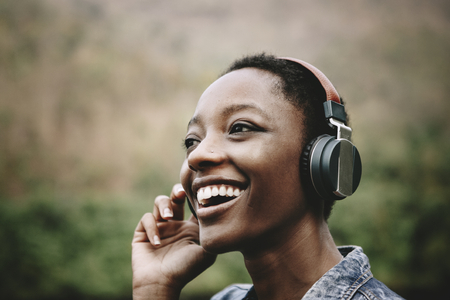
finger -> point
(177, 230)
(167, 208)
(162, 208)
(178, 196)
(147, 231)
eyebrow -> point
(229, 110)
(238, 107)
(193, 121)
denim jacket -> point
(349, 279)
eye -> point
(190, 142)
(242, 127)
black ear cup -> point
(305, 165)
(324, 170)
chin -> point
(218, 244)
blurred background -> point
(94, 101)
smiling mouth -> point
(217, 194)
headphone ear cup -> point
(319, 166)
(338, 167)
(305, 164)
(304, 161)
(357, 168)
(324, 160)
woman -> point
(247, 173)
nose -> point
(207, 154)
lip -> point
(215, 210)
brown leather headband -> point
(331, 92)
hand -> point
(165, 250)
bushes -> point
(66, 249)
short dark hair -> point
(300, 87)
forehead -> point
(244, 89)
(248, 81)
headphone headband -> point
(332, 94)
(331, 164)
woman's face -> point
(241, 171)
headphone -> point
(331, 164)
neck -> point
(293, 261)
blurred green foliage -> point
(95, 97)
(53, 249)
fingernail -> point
(156, 240)
(167, 213)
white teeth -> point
(204, 194)
(200, 195)
(222, 190)
(214, 191)
(207, 192)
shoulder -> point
(362, 285)
(351, 279)
(233, 292)
(374, 289)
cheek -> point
(185, 174)
(275, 163)
(274, 175)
